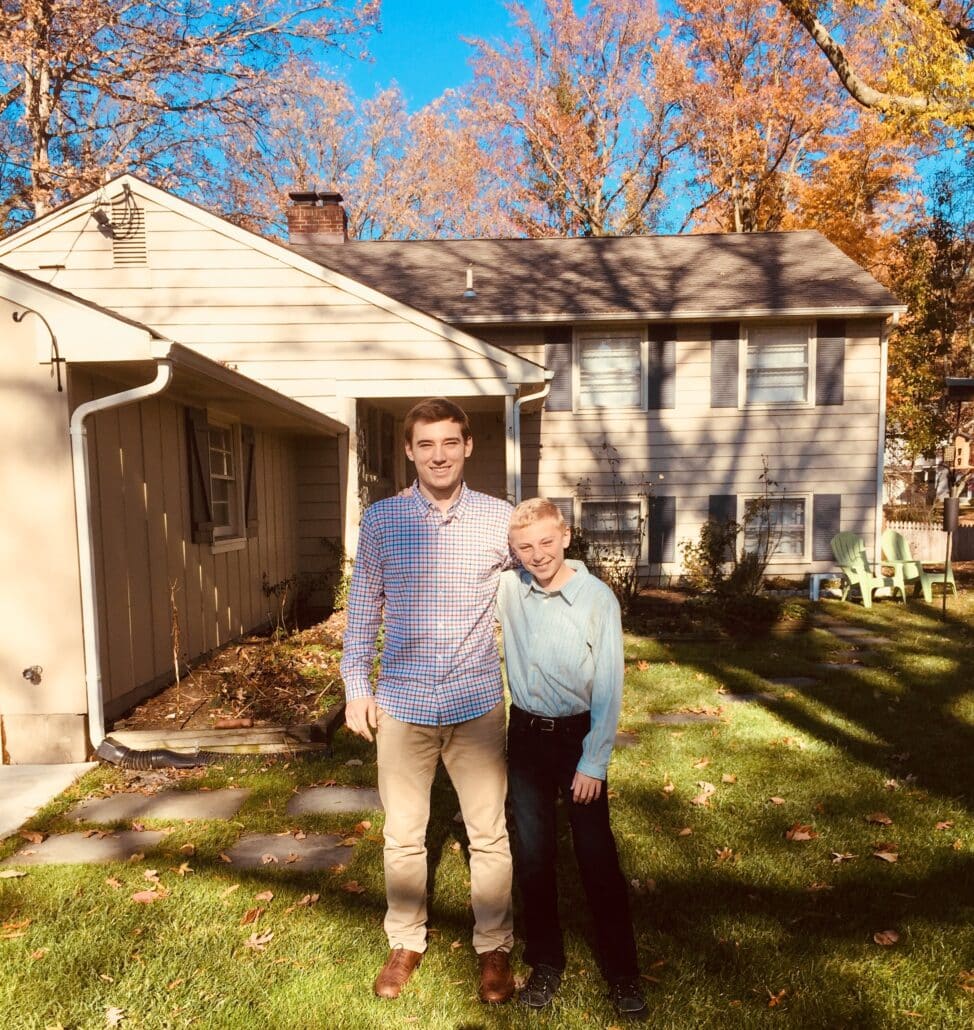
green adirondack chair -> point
(850, 556)
(896, 550)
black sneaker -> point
(541, 987)
(627, 997)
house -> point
(642, 383)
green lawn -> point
(737, 925)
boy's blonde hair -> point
(534, 510)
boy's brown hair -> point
(435, 409)
(534, 510)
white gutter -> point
(86, 548)
(881, 440)
(543, 392)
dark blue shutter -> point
(722, 508)
(724, 350)
(558, 359)
(248, 441)
(826, 522)
(662, 529)
(830, 361)
(200, 484)
(661, 369)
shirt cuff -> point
(598, 772)
(355, 690)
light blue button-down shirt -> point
(563, 654)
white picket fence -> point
(929, 542)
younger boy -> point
(563, 653)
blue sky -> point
(420, 47)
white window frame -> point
(742, 367)
(228, 536)
(643, 501)
(783, 559)
(581, 336)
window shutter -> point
(826, 522)
(200, 487)
(567, 508)
(724, 352)
(830, 361)
(722, 508)
(661, 371)
(248, 443)
(662, 529)
(558, 359)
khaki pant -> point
(473, 754)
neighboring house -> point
(640, 382)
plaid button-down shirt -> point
(430, 579)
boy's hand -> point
(585, 789)
(360, 715)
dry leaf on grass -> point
(728, 778)
(251, 916)
(114, 1016)
(188, 849)
(947, 824)
(966, 981)
(182, 869)
(148, 897)
(776, 999)
(353, 887)
(230, 890)
(839, 856)
(308, 900)
(223, 857)
(886, 937)
(777, 801)
(879, 819)
(725, 855)
(138, 827)
(800, 832)
(268, 859)
(259, 941)
(685, 832)
(10, 874)
(152, 875)
(114, 882)
(39, 953)
(886, 856)
(364, 826)
(264, 896)
(32, 836)
(136, 856)
(706, 790)
(701, 763)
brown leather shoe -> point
(496, 977)
(397, 970)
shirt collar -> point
(569, 591)
(455, 511)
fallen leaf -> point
(886, 937)
(776, 999)
(308, 900)
(223, 857)
(251, 916)
(230, 890)
(182, 869)
(114, 1016)
(455, 846)
(706, 790)
(138, 827)
(891, 785)
(701, 763)
(233, 724)
(818, 886)
(152, 875)
(114, 882)
(188, 849)
(136, 856)
(264, 896)
(97, 834)
(880, 819)
(354, 761)
(299, 835)
(329, 783)
(800, 832)
(259, 941)
(39, 953)
(886, 856)
(642, 665)
(958, 845)
(685, 832)
(108, 979)
(947, 824)
(292, 857)
(32, 836)
(725, 855)
(175, 983)
(668, 788)
(363, 826)
(353, 887)
(10, 874)
(728, 778)
(267, 859)
(455, 945)
(966, 981)
(777, 801)
(838, 856)
(148, 897)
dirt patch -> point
(269, 681)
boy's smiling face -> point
(540, 546)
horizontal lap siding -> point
(144, 545)
(695, 450)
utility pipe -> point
(543, 392)
(86, 546)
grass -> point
(737, 926)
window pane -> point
(609, 372)
(787, 527)
(223, 488)
(612, 523)
(777, 364)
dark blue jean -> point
(541, 765)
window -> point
(615, 524)
(777, 365)
(224, 480)
(610, 370)
(782, 523)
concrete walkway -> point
(24, 789)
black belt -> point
(551, 724)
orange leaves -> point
(879, 819)
(353, 887)
(259, 941)
(886, 938)
(12, 930)
(150, 896)
(706, 791)
(800, 832)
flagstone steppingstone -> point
(856, 633)
(79, 849)
(626, 738)
(736, 699)
(681, 718)
(168, 804)
(794, 681)
(267, 850)
(870, 640)
(324, 800)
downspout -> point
(881, 439)
(543, 392)
(86, 547)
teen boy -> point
(563, 653)
(426, 569)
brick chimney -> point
(316, 218)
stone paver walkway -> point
(325, 800)
(311, 852)
(79, 849)
(169, 804)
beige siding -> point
(39, 584)
(147, 563)
(693, 450)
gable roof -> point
(724, 275)
(519, 369)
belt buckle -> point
(546, 725)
